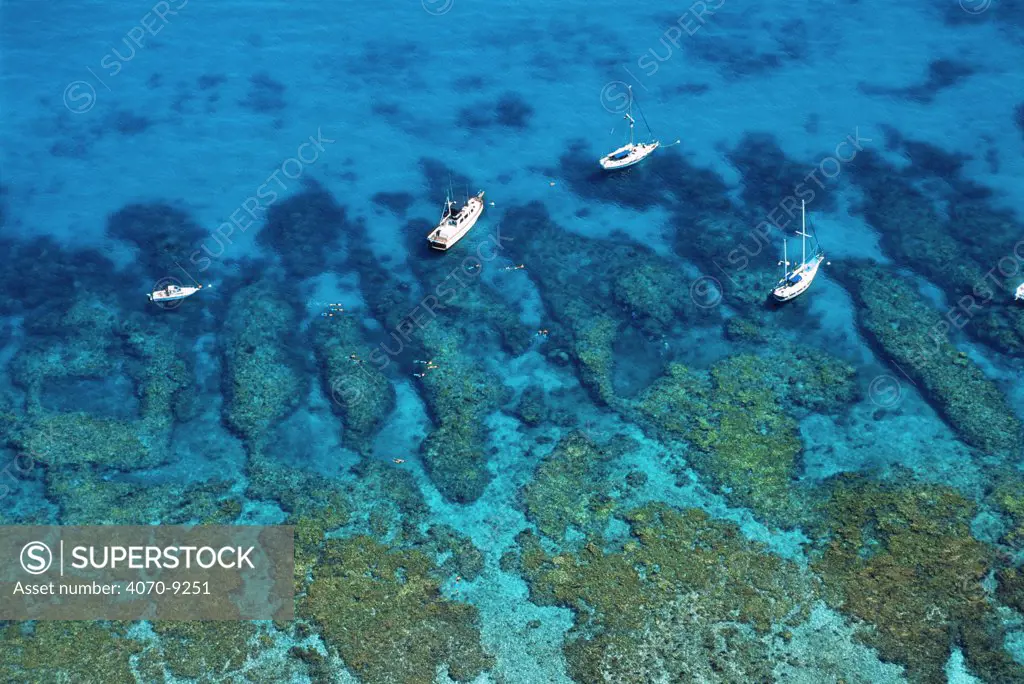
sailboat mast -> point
(785, 260)
(630, 115)
(803, 232)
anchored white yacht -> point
(1020, 293)
(632, 152)
(455, 224)
(795, 282)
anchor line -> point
(187, 273)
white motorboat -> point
(795, 282)
(1020, 293)
(173, 293)
(632, 152)
(456, 221)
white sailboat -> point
(795, 282)
(632, 152)
(455, 224)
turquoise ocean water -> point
(582, 445)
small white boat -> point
(1020, 293)
(632, 152)
(795, 282)
(173, 293)
(455, 224)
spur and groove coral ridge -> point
(358, 391)
(908, 331)
(262, 378)
(916, 236)
(458, 392)
(459, 395)
(570, 489)
(593, 288)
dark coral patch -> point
(770, 178)
(510, 111)
(39, 271)
(942, 75)
(304, 230)
(129, 123)
(209, 81)
(440, 178)
(930, 159)
(162, 233)
(73, 149)
(397, 203)
(266, 96)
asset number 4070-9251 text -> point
(181, 588)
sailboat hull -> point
(627, 156)
(798, 281)
(451, 231)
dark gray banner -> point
(160, 572)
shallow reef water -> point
(582, 445)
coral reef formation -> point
(87, 347)
(625, 284)
(902, 559)
(163, 234)
(910, 333)
(1008, 497)
(57, 651)
(686, 596)
(306, 230)
(739, 423)
(459, 395)
(769, 177)
(85, 498)
(570, 489)
(360, 587)
(263, 382)
(39, 271)
(915, 235)
(194, 650)
(359, 392)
